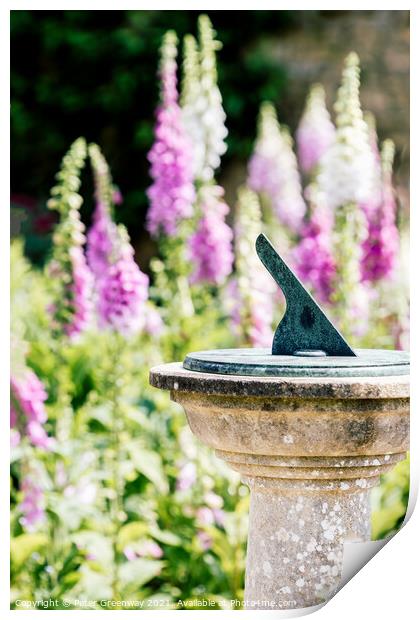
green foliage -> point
(23, 546)
(110, 485)
(389, 501)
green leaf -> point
(149, 464)
(23, 546)
(131, 531)
(69, 581)
(135, 574)
(164, 536)
(71, 563)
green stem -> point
(116, 500)
(350, 231)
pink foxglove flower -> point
(205, 516)
(129, 553)
(381, 246)
(32, 505)
(146, 548)
(172, 193)
(101, 237)
(232, 302)
(315, 132)
(123, 290)
(273, 171)
(100, 240)
(81, 290)
(153, 321)
(27, 409)
(313, 256)
(150, 548)
(215, 503)
(117, 197)
(210, 246)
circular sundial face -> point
(261, 363)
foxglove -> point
(315, 132)
(27, 410)
(202, 108)
(101, 235)
(347, 169)
(313, 256)
(210, 247)
(73, 305)
(33, 504)
(273, 170)
(250, 294)
(123, 290)
(172, 193)
(381, 246)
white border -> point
(387, 586)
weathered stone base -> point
(295, 545)
(302, 511)
(310, 449)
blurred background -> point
(93, 73)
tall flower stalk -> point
(172, 193)
(192, 101)
(372, 202)
(273, 171)
(101, 235)
(202, 107)
(250, 293)
(347, 170)
(315, 132)
(381, 246)
(72, 311)
(348, 176)
(313, 256)
(123, 289)
(210, 247)
(32, 505)
(350, 298)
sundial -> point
(305, 343)
(309, 444)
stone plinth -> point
(310, 450)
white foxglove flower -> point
(250, 293)
(348, 170)
(203, 113)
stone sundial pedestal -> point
(310, 426)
